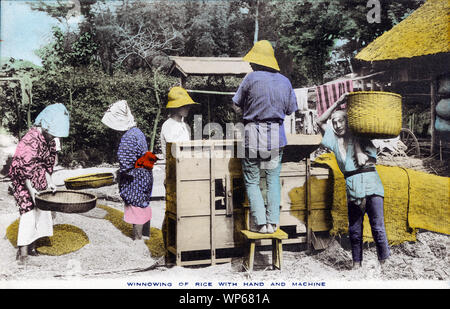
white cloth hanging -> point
(302, 98)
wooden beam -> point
(212, 202)
(210, 92)
(433, 113)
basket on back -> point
(374, 114)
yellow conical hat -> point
(178, 97)
(262, 53)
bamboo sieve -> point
(66, 201)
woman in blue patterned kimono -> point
(135, 182)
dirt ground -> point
(111, 259)
(111, 255)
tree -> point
(310, 29)
(63, 10)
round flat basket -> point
(374, 114)
(66, 201)
(89, 181)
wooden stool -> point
(277, 247)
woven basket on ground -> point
(89, 181)
(66, 201)
(375, 114)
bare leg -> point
(146, 229)
(23, 256)
(137, 231)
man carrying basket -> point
(356, 159)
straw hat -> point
(262, 53)
(178, 97)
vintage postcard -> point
(234, 146)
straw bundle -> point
(395, 182)
(66, 201)
(429, 205)
(375, 114)
(412, 199)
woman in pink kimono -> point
(30, 172)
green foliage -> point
(309, 30)
(115, 53)
(87, 92)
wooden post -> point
(209, 117)
(308, 206)
(212, 202)
(433, 113)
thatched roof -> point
(425, 32)
(202, 66)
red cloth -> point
(330, 93)
(146, 161)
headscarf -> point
(118, 116)
(340, 139)
(55, 119)
(338, 114)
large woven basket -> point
(66, 201)
(89, 181)
(374, 114)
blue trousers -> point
(251, 168)
(375, 212)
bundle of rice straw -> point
(412, 200)
(429, 202)
(395, 182)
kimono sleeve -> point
(127, 153)
(329, 139)
(26, 158)
(49, 157)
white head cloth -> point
(118, 116)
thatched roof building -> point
(413, 55)
(425, 32)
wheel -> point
(412, 144)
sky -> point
(23, 31)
